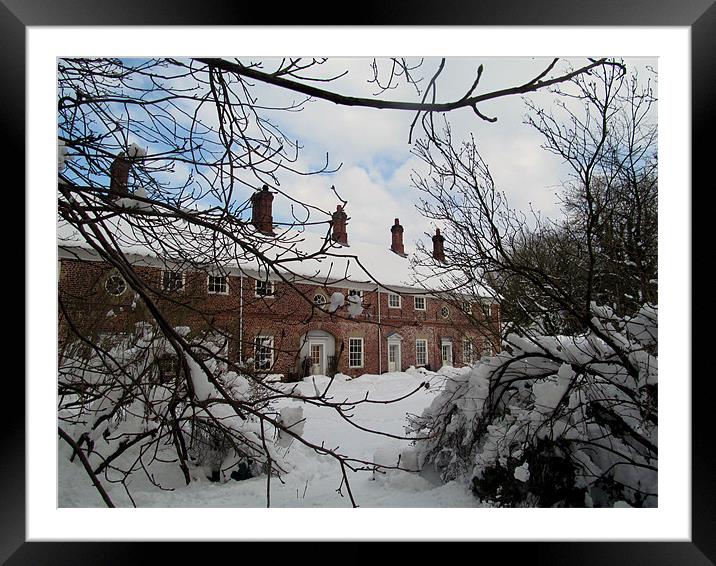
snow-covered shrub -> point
(136, 405)
(557, 420)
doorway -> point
(394, 353)
(317, 353)
(394, 357)
(446, 353)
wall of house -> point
(287, 316)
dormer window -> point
(264, 288)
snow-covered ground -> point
(313, 480)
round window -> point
(445, 312)
(115, 285)
(319, 300)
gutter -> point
(241, 319)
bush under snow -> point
(555, 421)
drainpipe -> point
(241, 319)
(380, 340)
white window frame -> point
(417, 360)
(208, 286)
(400, 301)
(124, 282)
(256, 351)
(355, 292)
(465, 358)
(415, 303)
(183, 280)
(325, 302)
(362, 352)
(467, 307)
(270, 295)
(445, 309)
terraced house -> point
(291, 320)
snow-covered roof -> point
(294, 251)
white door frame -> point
(450, 361)
(395, 340)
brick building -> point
(282, 323)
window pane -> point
(217, 284)
(355, 352)
(421, 352)
(263, 352)
(264, 288)
(172, 281)
(467, 351)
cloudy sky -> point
(371, 146)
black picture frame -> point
(699, 15)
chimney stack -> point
(261, 210)
(438, 248)
(397, 242)
(119, 170)
(119, 176)
(338, 226)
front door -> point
(447, 354)
(394, 357)
(317, 359)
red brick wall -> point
(286, 316)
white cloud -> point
(372, 204)
(371, 146)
